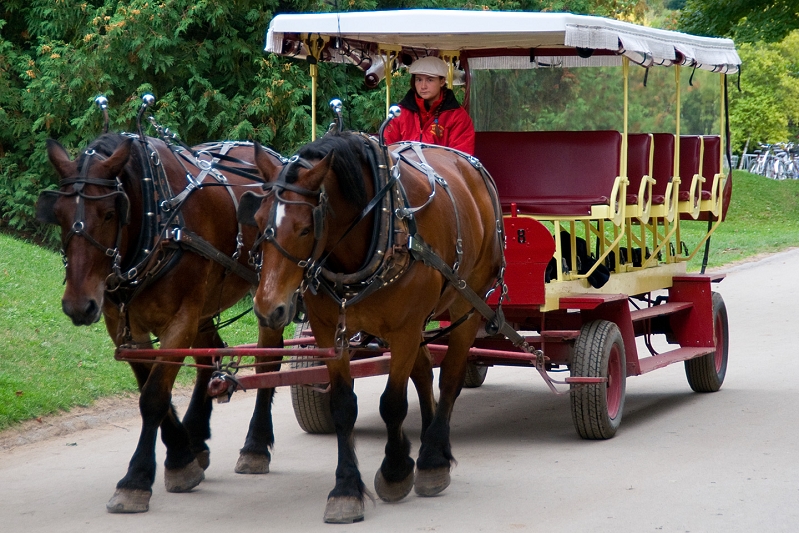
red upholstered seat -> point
(662, 166)
(690, 164)
(710, 164)
(638, 148)
(551, 172)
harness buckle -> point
(204, 164)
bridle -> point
(78, 228)
(270, 231)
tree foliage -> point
(767, 108)
(202, 59)
(743, 20)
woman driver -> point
(430, 112)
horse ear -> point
(119, 158)
(269, 170)
(249, 204)
(60, 160)
(316, 175)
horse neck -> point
(349, 254)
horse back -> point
(468, 210)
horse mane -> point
(106, 144)
(348, 162)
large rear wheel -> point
(598, 352)
(311, 405)
(706, 373)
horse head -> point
(290, 217)
(93, 212)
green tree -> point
(767, 108)
(743, 20)
(203, 60)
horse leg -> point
(394, 478)
(422, 377)
(345, 501)
(254, 457)
(134, 490)
(435, 454)
(197, 419)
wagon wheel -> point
(598, 352)
(311, 407)
(475, 375)
(706, 373)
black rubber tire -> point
(311, 407)
(706, 373)
(598, 352)
(475, 375)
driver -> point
(430, 111)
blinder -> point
(249, 204)
(45, 207)
(123, 208)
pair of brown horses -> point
(318, 213)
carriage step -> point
(660, 310)
(648, 364)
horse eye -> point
(109, 215)
(305, 231)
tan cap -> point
(430, 65)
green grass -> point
(48, 365)
(763, 218)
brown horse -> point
(146, 276)
(317, 224)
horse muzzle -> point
(280, 316)
(84, 313)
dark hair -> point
(347, 163)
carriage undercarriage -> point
(592, 336)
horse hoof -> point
(129, 501)
(392, 492)
(252, 463)
(183, 479)
(204, 459)
(431, 482)
(343, 510)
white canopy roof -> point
(469, 32)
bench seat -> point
(552, 173)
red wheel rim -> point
(718, 334)
(614, 388)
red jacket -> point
(446, 124)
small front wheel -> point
(475, 375)
(598, 352)
(311, 405)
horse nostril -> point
(91, 309)
(278, 314)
